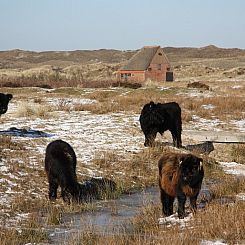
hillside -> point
(22, 67)
(26, 59)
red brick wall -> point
(156, 70)
(135, 76)
(158, 67)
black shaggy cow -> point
(4, 100)
(180, 175)
(159, 117)
(60, 166)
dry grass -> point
(238, 153)
(45, 80)
(219, 222)
(223, 107)
(228, 186)
(13, 237)
(226, 223)
(131, 171)
(32, 110)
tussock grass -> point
(221, 222)
(7, 142)
(146, 220)
(23, 236)
(63, 105)
(228, 186)
(228, 107)
(32, 110)
(126, 99)
(215, 222)
(130, 171)
(238, 153)
(223, 107)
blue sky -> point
(41, 25)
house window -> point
(160, 54)
(149, 69)
(159, 67)
(129, 74)
(168, 68)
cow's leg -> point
(171, 205)
(178, 139)
(178, 134)
(53, 186)
(65, 194)
(181, 205)
(193, 202)
(167, 203)
(174, 137)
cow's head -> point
(191, 169)
(4, 100)
(150, 137)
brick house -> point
(150, 62)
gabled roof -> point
(142, 59)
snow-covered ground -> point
(87, 133)
(90, 134)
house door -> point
(169, 76)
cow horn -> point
(180, 162)
(201, 164)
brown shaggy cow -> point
(180, 175)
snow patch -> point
(208, 107)
(174, 220)
(240, 124)
(206, 242)
(233, 168)
(206, 124)
(237, 86)
(240, 197)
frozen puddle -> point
(24, 132)
(111, 217)
(115, 216)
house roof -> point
(142, 59)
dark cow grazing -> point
(159, 117)
(4, 100)
(180, 175)
(60, 166)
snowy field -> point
(90, 135)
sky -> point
(42, 25)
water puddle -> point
(25, 132)
(112, 216)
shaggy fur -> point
(95, 188)
(159, 117)
(60, 166)
(4, 100)
(180, 175)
